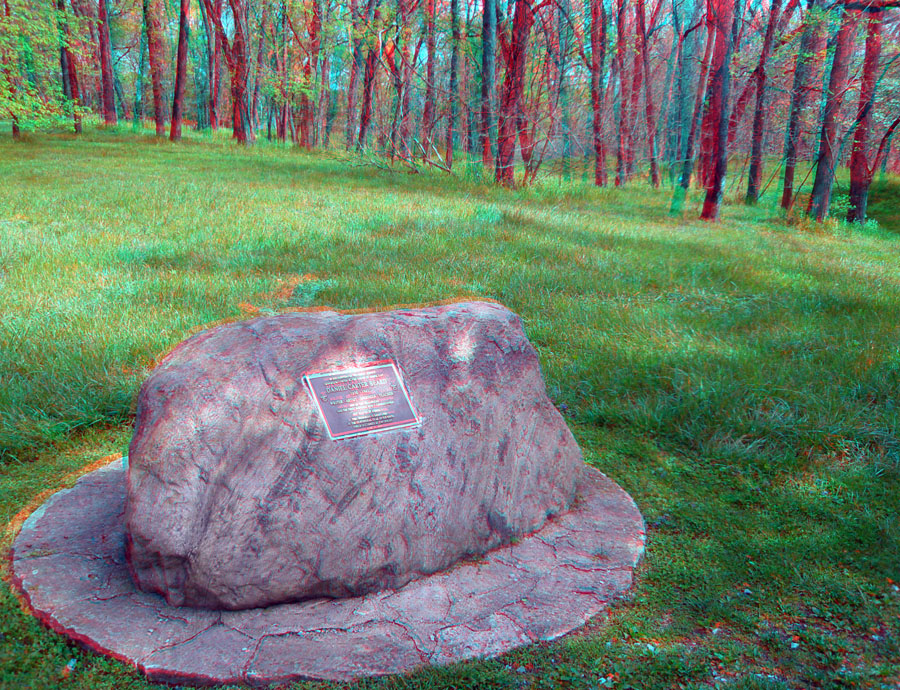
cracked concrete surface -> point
(69, 563)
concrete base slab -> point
(68, 562)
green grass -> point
(741, 380)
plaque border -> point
(380, 429)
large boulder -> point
(238, 497)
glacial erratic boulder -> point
(238, 497)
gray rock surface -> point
(237, 497)
(68, 565)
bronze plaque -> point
(362, 400)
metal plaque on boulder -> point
(362, 400)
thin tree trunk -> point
(214, 52)
(260, 54)
(138, 111)
(687, 163)
(215, 120)
(428, 109)
(634, 96)
(123, 111)
(6, 62)
(332, 109)
(828, 145)
(154, 53)
(598, 69)
(565, 37)
(719, 86)
(235, 52)
(307, 108)
(648, 96)
(488, 76)
(677, 114)
(180, 72)
(759, 114)
(665, 106)
(622, 140)
(511, 92)
(106, 73)
(406, 67)
(356, 66)
(860, 172)
(69, 68)
(802, 70)
(365, 115)
(454, 81)
(63, 51)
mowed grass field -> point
(741, 380)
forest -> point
(170, 165)
(775, 93)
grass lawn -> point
(741, 380)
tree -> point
(828, 144)
(214, 59)
(180, 72)
(454, 80)
(514, 47)
(374, 51)
(429, 107)
(754, 178)
(807, 59)
(860, 171)
(106, 71)
(32, 87)
(648, 90)
(68, 68)
(10, 77)
(687, 155)
(622, 141)
(719, 87)
(597, 67)
(488, 76)
(235, 51)
(154, 54)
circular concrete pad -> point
(69, 563)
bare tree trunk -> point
(687, 163)
(488, 76)
(235, 52)
(634, 96)
(137, 121)
(828, 145)
(365, 115)
(622, 140)
(428, 110)
(106, 73)
(511, 92)
(719, 88)
(6, 61)
(214, 53)
(454, 81)
(648, 96)
(215, 119)
(260, 54)
(805, 60)
(68, 67)
(860, 172)
(759, 114)
(180, 72)
(356, 61)
(307, 108)
(598, 69)
(154, 53)
(565, 38)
